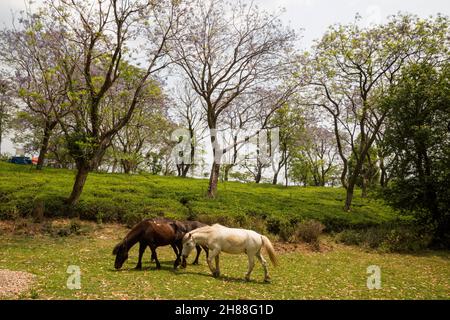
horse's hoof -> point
(216, 274)
(247, 279)
(195, 263)
(267, 280)
(138, 268)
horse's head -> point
(121, 253)
(188, 246)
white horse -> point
(230, 240)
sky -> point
(309, 17)
(314, 16)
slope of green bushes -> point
(129, 198)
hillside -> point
(129, 198)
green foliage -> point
(418, 138)
(403, 238)
(129, 198)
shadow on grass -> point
(168, 266)
(221, 278)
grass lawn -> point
(338, 272)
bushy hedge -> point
(388, 238)
(130, 198)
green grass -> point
(129, 198)
(336, 274)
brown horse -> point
(154, 233)
(187, 226)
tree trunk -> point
(114, 166)
(286, 174)
(350, 187)
(226, 171)
(213, 180)
(182, 170)
(275, 178)
(185, 170)
(383, 180)
(1, 135)
(80, 179)
(126, 166)
(349, 196)
(365, 182)
(44, 145)
(275, 174)
(258, 175)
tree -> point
(189, 113)
(226, 49)
(370, 172)
(352, 66)
(143, 132)
(98, 43)
(320, 152)
(240, 116)
(290, 122)
(37, 74)
(418, 132)
(6, 104)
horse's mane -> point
(131, 235)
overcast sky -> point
(314, 15)
(311, 16)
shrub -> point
(212, 219)
(280, 227)
(406, 240)
(349, 237)
(388, 239)
(128, 199)
(309, 232)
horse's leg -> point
(142, 247)
(158, 265)
(152, 258)
(264, 264)
(198, 254)
(213, 254)
(206, 250)
(176, 248)
(251, 264)
(217, 265)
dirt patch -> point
(286, 247)
(53, 227)
(13, 283)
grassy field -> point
(338, 272)
(129, 198)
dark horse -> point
(153, 233)
(189, 226)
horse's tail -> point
(270, 250)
